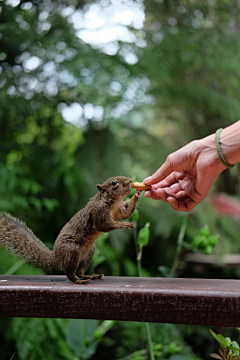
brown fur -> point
(74, 247)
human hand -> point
(187, 175)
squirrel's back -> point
(20, 240)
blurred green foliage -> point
(205, 241)
(183, 85)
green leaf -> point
(36, 202)
(157, 347)
(228, 341)
(200, 241)
(223, 340)
(143, 235)
(205, 231)
(216, 337)
(233, 348)
(103, 328)
(78, 332)
(50, 204)
(235, 344)
(212, 240)
(197, 240)
(173, 348)
(208, 249)
(134, 216)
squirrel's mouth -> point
(128, 189)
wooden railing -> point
(163, 300)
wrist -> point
(208, 148)
(219, 151)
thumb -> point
(160, 174)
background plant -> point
(229, 349)
(73, 113)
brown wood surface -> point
(179, 301)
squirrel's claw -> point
(129, 226)
(96, 276)
(90, 277)
(137, 194)
(78, 281)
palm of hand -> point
(185, 189)
(178, 189)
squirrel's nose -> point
(128, 182)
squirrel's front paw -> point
(137, 194)
(128, 225)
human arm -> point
(187, 175)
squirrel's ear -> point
(100, 188)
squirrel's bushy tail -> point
(20, 240)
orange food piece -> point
(141, 186)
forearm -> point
(230, 143)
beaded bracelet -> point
(217, 135)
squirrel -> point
(74, 247)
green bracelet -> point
(217, 135)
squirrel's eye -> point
(114, 182)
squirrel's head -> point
(117, 187)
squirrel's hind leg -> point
(72, 276)
(89, 277)
(71, 264)
(78, 281)
(84, 265)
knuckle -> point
(169, 158)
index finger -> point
(168, 181)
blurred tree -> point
(78, 105)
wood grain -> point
(179, 301)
